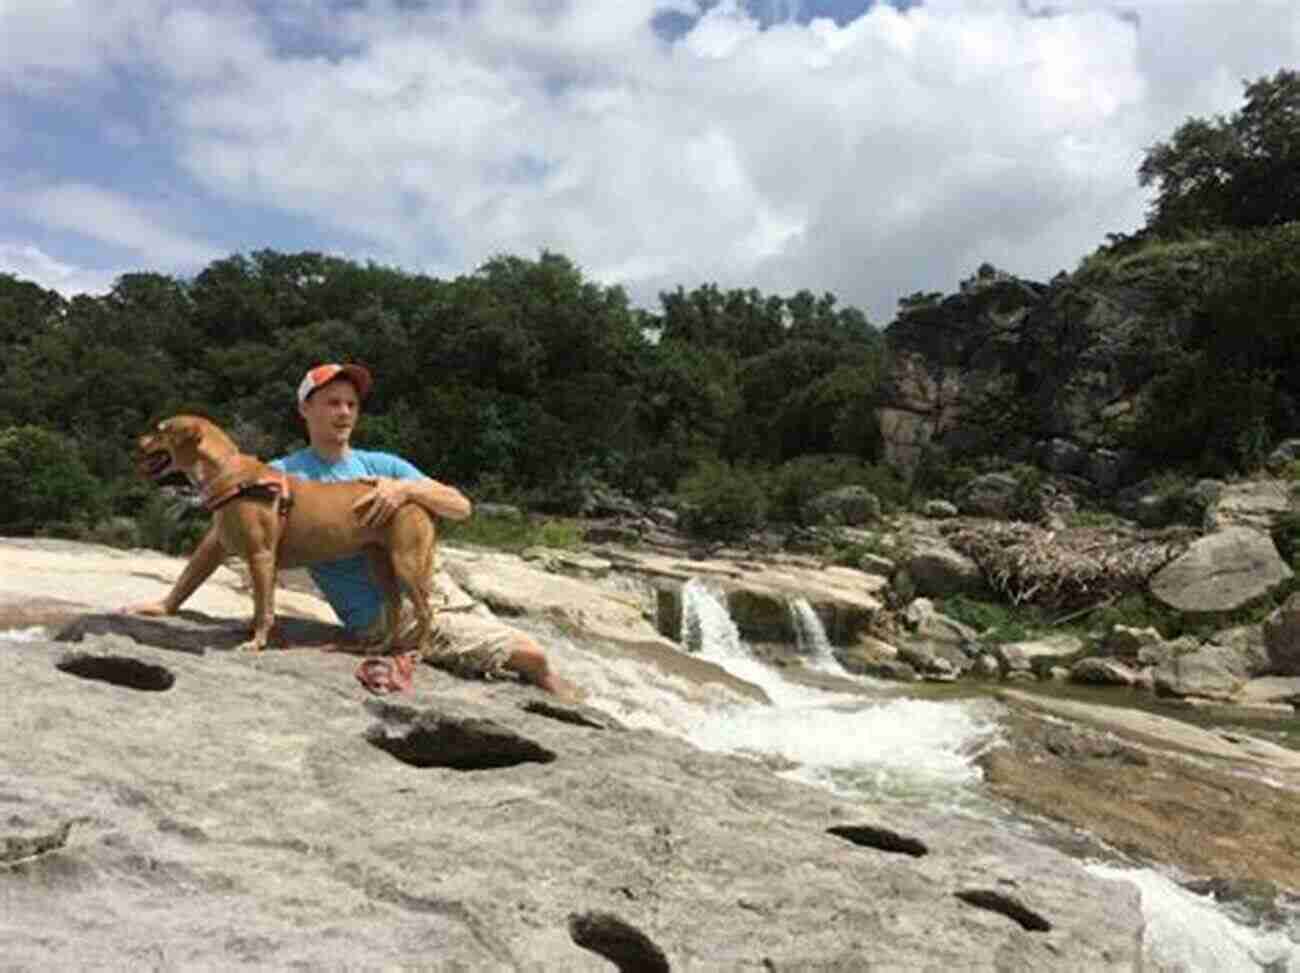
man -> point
(467, 643)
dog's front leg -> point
(261, 567)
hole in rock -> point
(881, 839)
(627, 947)
(459, 744)
(120, 671)
(564, 714)
(1007, 906)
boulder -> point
(1126, 642)
(1208, 671)
(1061, 456)
(990, 495)
(1271, 689)
(1282, 638)
(937, 570)
(1036, 655)
(1287, 451)
(848, 505)
(1256, 503)
(1097, 671)
(1107, 468)
(1221, 572)
(940, 509)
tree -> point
(43, 481)
(1241, 171)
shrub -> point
(995, 621)
(45, 482)
(793, 485)
(164, 524)
(719, 500)
(512, 534)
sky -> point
(869, 149)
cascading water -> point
(863, 743)
(810, 637)
(1188, 932)
(886, 749)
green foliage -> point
(794, 484)
(995, 621)
(1239, 171)
(44, 481)
(164, 525)
(721, 501)
(1027, 503)
(513, 534)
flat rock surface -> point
(1196, 809)
(263, 811)
(168, 809)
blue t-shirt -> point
(346, 583)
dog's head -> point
(172, 446)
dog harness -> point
(247, 476)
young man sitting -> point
(468, 643)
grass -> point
(513, 533)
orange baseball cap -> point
(324, 374)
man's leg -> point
(529, 660)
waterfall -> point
(867, 744)
(810, 636)
(707, 627)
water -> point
(810, 638)
(1187, 933)
(870, 745)
(856, 744)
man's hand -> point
(377, 507)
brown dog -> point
(273, 520)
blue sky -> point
(867, 149)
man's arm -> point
(207, 557)
(439, 499)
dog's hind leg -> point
(382, 569)
(412, 543)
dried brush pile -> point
(1070, 568)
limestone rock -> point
(1034, 655)
(937, 570)
(1271, 689)
(1126, 642)
(1211, 671)
(1221, 572)
(990, 495)
(1097, 671)
(261, 810)
(1282, 638)
(1256, 503)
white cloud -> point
(891, 154)
(31, 263)
(116, 220)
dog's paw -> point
(252, 645)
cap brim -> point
(359, 375)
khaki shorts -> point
(466, 639)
